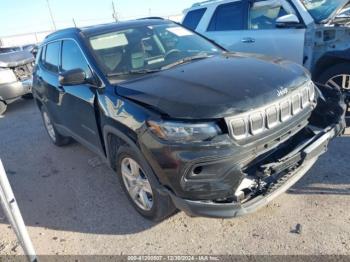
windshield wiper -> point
(134, 72)
(185, 60)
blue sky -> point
(26, 16)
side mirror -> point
(72, 77)
(290, 20)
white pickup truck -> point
(314, 33)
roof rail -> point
(151, 17)
(205, 2)
(66, 30)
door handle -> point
(248, 40)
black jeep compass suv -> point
(185, 124)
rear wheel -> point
(55, 137)
(3, 107)
(140, 185)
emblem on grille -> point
(282, 91)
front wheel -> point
(337, 76)
(54, 135)
(3, 107)
(140, 185)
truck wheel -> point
(3, 107)
(55, 137)
(140, 185)
(337, 76)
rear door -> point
(78, 101)
(47, 80)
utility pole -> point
(51, 15)
(115, 14)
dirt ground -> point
(73, 204)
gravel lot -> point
(72, 203)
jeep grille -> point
(269, 117)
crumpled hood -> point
(215, 87)
(14, 59)
(339, 11)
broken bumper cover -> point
(309, 153)
(13, 90)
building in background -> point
(23, 39)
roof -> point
(104, 28)
(204, 3)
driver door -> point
(78, 101)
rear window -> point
(50, 58)
(228, 17)
(193, 18)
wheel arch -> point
(328, 60)
(114, 137)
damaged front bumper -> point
(208, 179)
(293, 167)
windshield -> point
(322, 9)
(144, 49)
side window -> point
(72, 58)
(51, 55)
(40, 55)
(264, 16)
(229, 17)
(193, 18)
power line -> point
(115, 14)
(51, 15)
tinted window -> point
(72, 57)
(265, 17)
(51, 60)
(193, 18)
(228, 17)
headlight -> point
(7, 76)
(182, 132)
(311, 90)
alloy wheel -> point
(341, 82)
(137, 184)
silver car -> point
(16, 69)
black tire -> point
(28, 96)
(333, 71)
(3, 107)
(162, 206)
(54, 135)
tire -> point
(54, 135)
(28, 96)
(160, 205)
(3, 107)
(333, 77)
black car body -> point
(216, 135)
(15, 76)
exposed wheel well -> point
(113, 143)
(114, 138)
(326, 62)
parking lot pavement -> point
(73, 204)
